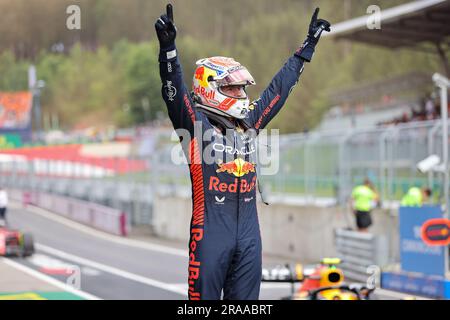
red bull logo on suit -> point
(237, 167)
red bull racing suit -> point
(225, 241)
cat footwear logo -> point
(238, 167)
(219, 200)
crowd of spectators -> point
(429, 109)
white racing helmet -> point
(219, 86)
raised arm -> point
(174, 91)
(275, 95)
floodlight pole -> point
(443, 57)
(443, 83)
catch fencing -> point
(312, 166)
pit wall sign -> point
(415, 254)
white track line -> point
(49, 280)
(99, 234)
(399, 295)
(112, 270)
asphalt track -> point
(107, 269)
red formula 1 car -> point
(14, 242)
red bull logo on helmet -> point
(237, 167)
(199, 73)
(208, 94)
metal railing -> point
(360, 252)
(313, 165)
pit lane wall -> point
(94, 215)
(304, 232)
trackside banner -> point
(15, 110)
(415, 254)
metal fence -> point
(360, 252)
(329, 164)
(313, 165)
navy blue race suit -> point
(225, 241)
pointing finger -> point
(169, 10)
(314, 17)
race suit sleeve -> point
(174, 91)
(274, 96)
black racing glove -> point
(316, 27)
(165, 29)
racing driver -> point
(225, 244)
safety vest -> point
(413, 198)
(363, 197)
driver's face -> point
(234, 91)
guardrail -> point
(359, 251)
(315, 164)
(94, 215)
(136, 199)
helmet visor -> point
(238, 77)
(234, 91)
